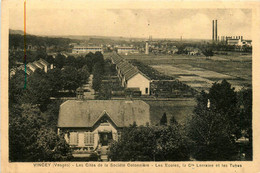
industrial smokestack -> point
(216, 30)
(213, 30)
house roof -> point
(127, 69)
(28, 70)
(75, 113)
(31, 65)
(38, 64)
(131, 74)
(43, 62)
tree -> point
(56, 83)
(224, 99)
(70, 61)
(50, 59)
(52, 113)
(30, 139)
(51, 147)
(16, 86)
(23, 129)
(70, 78)
(83, 74)
(208, 52)
(97, 76)
(38, 89)
(99, 58)
(90, 61)
(150, 144)
(163, 121)
(181, 48)
(80, 62)
(212, 127)
(171, 144)
(59, 61)
(104, 92)
(245, 120)
(135, 144)
(173, 121)
(245, 112)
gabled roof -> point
(38, 64)
(122, 64)
(28, 70)
(43, 62)
(127, 69)
(31, 65)
(74, 113)
(131, 74)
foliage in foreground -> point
(163, 143)
(216, 123)
(31, 139)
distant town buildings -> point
(79, 49)
(32, 66)
(127, 50)
(193, 51)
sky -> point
(159, 23)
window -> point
(89, 138)
(146, 90)
(81, 140)
(73, 138)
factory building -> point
(229, 40)
(237, 41)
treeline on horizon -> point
(18, 40)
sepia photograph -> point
(130, 85)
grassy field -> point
(202, 72)
(181, 109)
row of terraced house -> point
(130, 76)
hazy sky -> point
(160, 23)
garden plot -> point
(190, 71)
(170, 70)
(211, 74)
(196, 82)
(194, 79)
